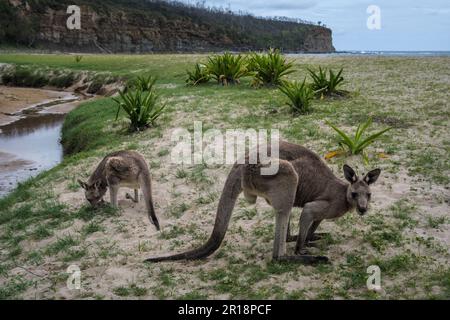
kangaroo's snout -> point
(361, 210)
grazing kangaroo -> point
(303, 180)
(121, 169)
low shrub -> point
(141, 108)
(143, 83)
(227, 68)
(199, 75)
(300, 95)
(269, 69)
(358, 143)
(327, 85)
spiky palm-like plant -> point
(269, 68)
(357, 143)
(199, 75)
(300, 95)
(327, 83)
(141, 108)
(227, 68)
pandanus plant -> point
(357, 143)
(141, 108)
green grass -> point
(167, 67)
(178, 210)
(87, 213)
(132, 290)
(193, 295)
(382, 234)
(431, 162)
(441, 278)
(13, 288)
(398, 263)
(173, 232)
(62, 244)
(91, 227)
(41, 232)
(80, 129)
(436, 222)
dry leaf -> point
(332, 154)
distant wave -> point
(395, 53)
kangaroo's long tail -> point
(147, 190)
(231, 191)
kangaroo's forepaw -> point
(302, 251)
(317, 236)
(291, 238)
(312, 244)
(130, 197)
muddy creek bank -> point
(30, 130)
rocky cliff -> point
(140, 26)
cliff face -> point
(159, 26)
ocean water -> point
(390, 53)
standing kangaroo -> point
(121, 169)
(303, 180)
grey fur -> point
(303, 180)
(121, 169)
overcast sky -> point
(405, 24)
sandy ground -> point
(13, 100)
(116, 251)
(138, 239)
(10, 162)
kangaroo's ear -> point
(350, 174)
(82, 184)
(372, 176)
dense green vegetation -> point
(15, 29)
(300, 95)
(327, 85)
(227, 68)
(21, 76)
(269, 68)
(167, 69)
(141, 107)
(37, 77)
(199, 75)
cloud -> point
(253, 6)
(405, 25)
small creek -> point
(30, 142)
